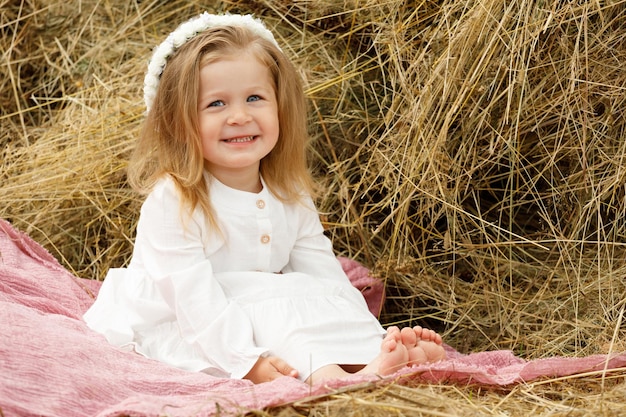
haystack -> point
(472, 153)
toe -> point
(423, 333)
(427, 334)
(409, 337)
(393, 333)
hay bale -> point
(476, 153)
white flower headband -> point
(187, 31)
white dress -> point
(269, 284)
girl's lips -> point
(240, 140)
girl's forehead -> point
(242, 57)
(233, 72)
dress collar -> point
(233, 199)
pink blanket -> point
(51, 364)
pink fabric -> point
(372, 289)
(52, 364)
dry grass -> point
(473, 152)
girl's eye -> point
(254, 98)
(216, 103)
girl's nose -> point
(238, 115)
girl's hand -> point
(269, 368)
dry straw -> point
(473, 154)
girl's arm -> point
(313, 251)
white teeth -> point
(240, 140)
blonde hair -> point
(170, 144)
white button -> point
(260, 204)
(265, 239)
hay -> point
(473, 154)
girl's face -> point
(238, 117)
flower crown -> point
(188, 30)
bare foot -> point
(393, 354)
(422, 345)
(399, 348)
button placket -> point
(265, 235)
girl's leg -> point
(393, 356)
(325, 373)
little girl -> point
(231, 273)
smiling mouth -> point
(240, 140)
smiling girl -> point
(231, 272)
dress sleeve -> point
(313, 254)
(172, 250)
(313, 251)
